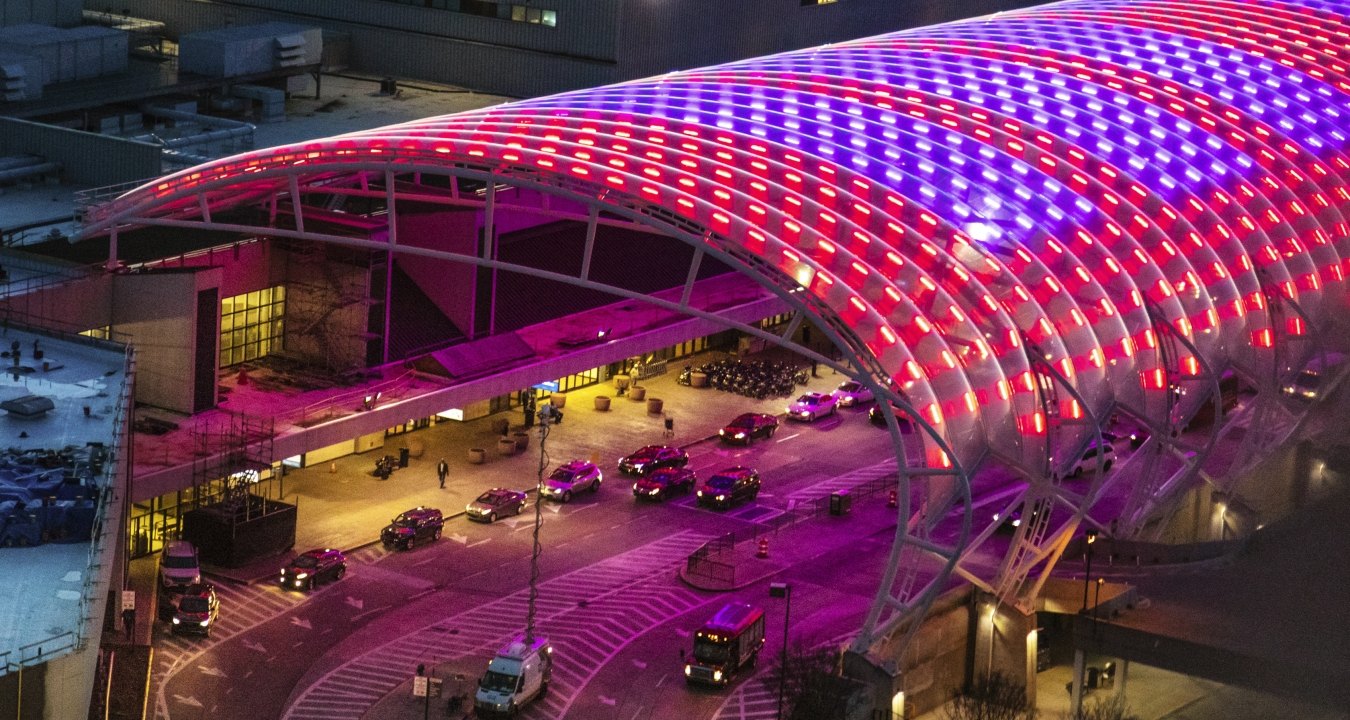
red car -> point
(661, 484)
(748, 426)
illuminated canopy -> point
(1114, 196)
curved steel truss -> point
(1016, 228)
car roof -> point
(736, 471)
(575, 465)
(180, 547)
(420, 511)
(199, 589)
(320, 552)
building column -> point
(1076, 689)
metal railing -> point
(715, 560)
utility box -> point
(840, 503)
(249, 49)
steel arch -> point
(1090, 179)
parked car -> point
(412, 527)
(730, 486)
(1088, 461)
(852, 393)
(652, 457)
(495, 503)
(877, 416)
(661, 484)
(812, 405)
(197, 610)
(178, 566)
(748, 426)
(570, 478)
(1028, 510)
(312, 567)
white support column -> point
(112, 250)
(490, 241)
(1124, 673)
(1076, 690)
(389, 256)
(592, 221)
(295, 202)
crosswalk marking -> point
(632, 592)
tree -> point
(993, 697)
(1112, 707)
(813, 688)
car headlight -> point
(700, 493)
(301, 576)
(204, 623)
(717, 676)
(740, 436)
(721, 498)
(176, 621)
(688, 670)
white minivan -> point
(517, 675)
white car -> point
(812, 405)
(1088, 462)
(851, 393)
(571, 478)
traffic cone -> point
(892, 500)
(763, 551)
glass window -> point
(518, 13)
(550, 18)
(252, 325)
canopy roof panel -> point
(1044, 186)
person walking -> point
(670, 426)
(442, 469)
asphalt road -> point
(609, 597)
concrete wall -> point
(159, 310)
(450, 285)
(485, 54)
(326, 312)
(61, 13)
(596, 42)
(86, 158)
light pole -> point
(782, 590)
(1091, 536)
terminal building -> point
(1025, 232)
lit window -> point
(251, 325)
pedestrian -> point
(670, 426)
(129, 621)
(442, 469)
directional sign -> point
(301, 623)
(128, 600)
(355, 602)
(189, 700)
(608, 701)
(212, 671)
(461, 539)
(255, 647)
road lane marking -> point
(793, 435)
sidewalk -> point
(342, 504)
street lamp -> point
(782, 590)
(1091, 536)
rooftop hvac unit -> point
(289, 50)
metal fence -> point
(715, 560)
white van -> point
(519, 674)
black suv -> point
(412, 527)
(661, 484)
(745, 428)
(312, 567)
(730, 486)
(651, 457)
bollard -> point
(893, 500)
(763, 551)
(332, 467)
